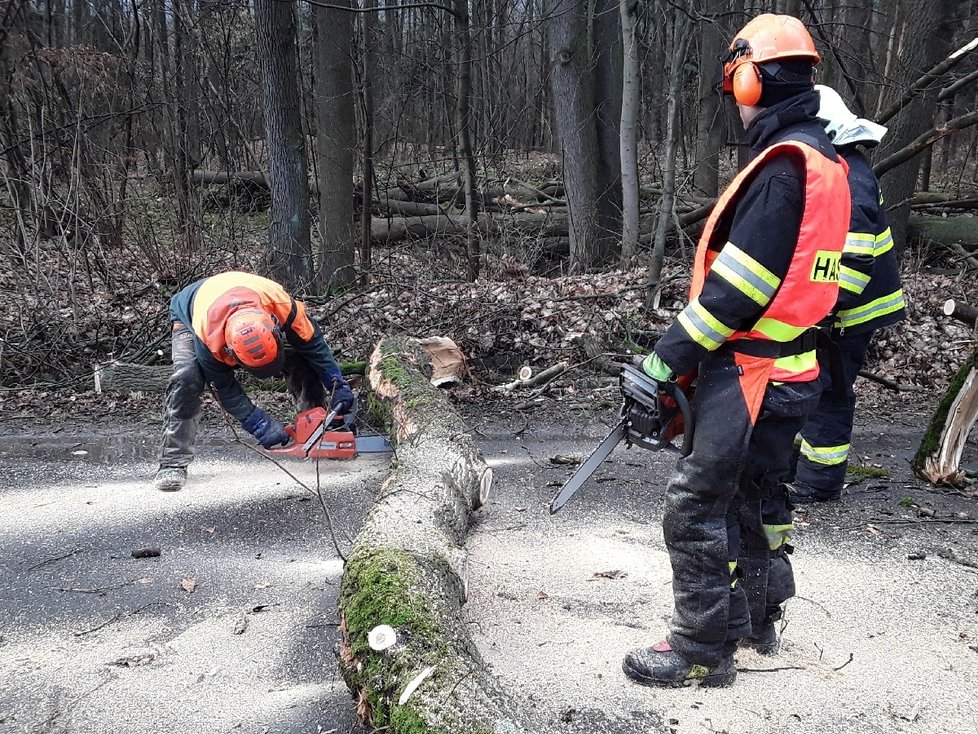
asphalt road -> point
(882, 637)
(232, 628)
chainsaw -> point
(652, 415)
(321, 434)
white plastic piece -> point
(381, 637)
(413, 685)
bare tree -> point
(335, 142)
(289, 248)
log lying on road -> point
(940, 450)
(406, 570)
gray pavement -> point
(874, 642)
(93, 640)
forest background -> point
(517, 158)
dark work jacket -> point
(869, 255)
(764, 225)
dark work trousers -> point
(182, 404)
(827, 434)
(726, 517)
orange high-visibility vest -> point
(221, 295)
(810, 288)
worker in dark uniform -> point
(870, 298)
(766, 272)
(236, 320)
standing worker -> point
(240, 320)
(870, 298)
(765, 273)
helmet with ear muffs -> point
(767, 38)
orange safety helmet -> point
(766, 38)
(254, 340)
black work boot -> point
(799, 494)
(662, 666)
(764, 641)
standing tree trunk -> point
(289, 249)
(709, 121)
(463, 119)
(335, 142)
(678, 43)
(630, 106)
(606, 52)
(574, 107)
(369, 35)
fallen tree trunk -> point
(396, 229)
(945, 231)
(405, 580)
(940, 449)
(126, 376)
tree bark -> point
(289, 257)
(407, 568)
(931, 25)
(709, 120)
(940, 451)
(630, 107)
(335, 142)
(463, 116)
(574, 105)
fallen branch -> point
(536, 379)
(885, 382)
(924, 141)
(925, 80)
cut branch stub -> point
(407, 567)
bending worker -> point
(236, 320)
(870, 298)
(765, 273)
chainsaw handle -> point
(683, 402)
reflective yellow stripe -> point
(852, 280)
(746, 274)
(778, 331)
(732, 565)
(702, 326)
(778, 535)
(883, 242)
(797, 363)
(872, 310)
(825, 455)
(859, 243)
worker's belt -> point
(808, 341)
(829, 354)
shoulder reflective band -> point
(859, 243)
(884, 242)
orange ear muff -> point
(747, 86)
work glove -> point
(655, 368)
(268, 431)
(342, 394)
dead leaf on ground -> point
(566, 459)
(188, 585)
(543, 595)
(242, 624)
(615, 574)
(208, 528)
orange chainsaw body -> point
(334, 444)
